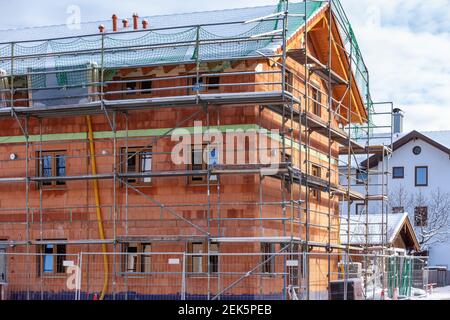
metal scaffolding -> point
(284, 94)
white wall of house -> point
(438, 163)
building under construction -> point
(260, 104)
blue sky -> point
(405, 43)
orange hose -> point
(98, 207)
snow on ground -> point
(438, 294)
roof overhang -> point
(401, 229)
(413, 135)
(409, 233)
(341, 64)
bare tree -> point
(400, 198)
(431, 214)
(434, 227)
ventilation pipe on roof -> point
(144, 24)
(135, 21)
(114, 22)
(125, 23)
(101, 28)
(398, 116)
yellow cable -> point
(98, 209)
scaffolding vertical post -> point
(293, 247)
(41, 207)
(127, 193)
(12, 77)
(307, 141)
(387, 174)
(102, 69)
(284, 54)
(197, 86)
(366, 177)
(330, 142)
(183, 278)
(27, 200)
(208, 214)
(27, 180)
(260, 185)
(349, 168)
(284, 89)
(114, 210)
(40, 163)
(79, 275)
(283, 179)
(299, 202)
(219, 283)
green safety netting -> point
(218, 47)
(134, 56)
(359, 69)
(72, 59)
(115, 51)
(406, 281)
(248, 46)
(400, 275)
(393, 276)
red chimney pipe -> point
(144, 24)
(135, 21)
(101, 28)
(125, 23)
(114, 22)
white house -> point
(419, 183)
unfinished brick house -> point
(86, 154)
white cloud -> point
(405, 44)
(427, 117)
